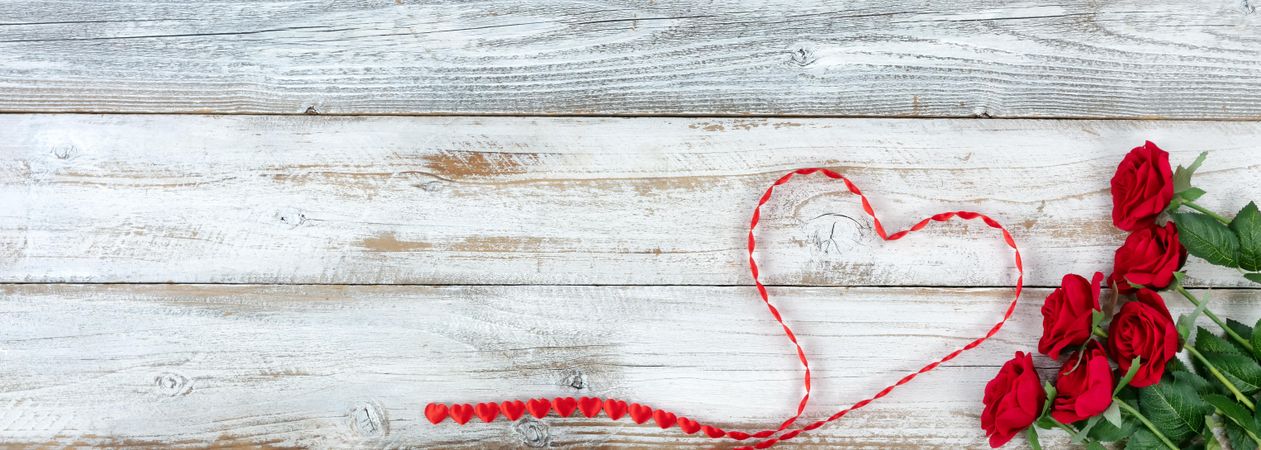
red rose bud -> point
(1143, 329)
(1013, 400)
(1148, 258)
(1141, 188)
(1066, 314)
(1084, 385)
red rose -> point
(1148, 258)
(1013, 400)
(1084, 386)
(1066, 314)
(1141, 188)
(1144, 329)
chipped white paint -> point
(338, 366)
(570, 201)
(974, 58)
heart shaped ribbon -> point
(615, 409)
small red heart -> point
(565, 406)
(615, 409)
(712, 431)
(689, 426)
(640, 413)
(538, 407)
(589, 406)
(664, 419)
(436, 413)
(487, 411)
(512, 409)
(461, 413)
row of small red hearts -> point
(462, 413)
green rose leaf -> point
(1144, 440)
(1253, 277)
(1182, 175)
(1247, 227)
(1239, 327)
(1241, 370)
(1129, 375)
(1106, 431)
(1207, 342)
(1233, 411)
(1238, 437)
(1033, 439)
(1175, 409)
(1207, 239)
(1198, 383)
(1256, 340)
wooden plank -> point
(571, 200)
(974, 58)
(334, 366)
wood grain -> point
(336, 366)
(973, 58)
(571, 201)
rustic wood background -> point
(292, 223)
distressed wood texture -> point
(974, 58)
(335, 366)
(571, 201)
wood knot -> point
(291, 216)
(802, 56)
(532, 432)
(833, 233)
(172, 384)
(310, 110)
(65, 152)
(368, 420)
(574, 378)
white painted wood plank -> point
(1026, 58)
(571, 200)
(334, 366)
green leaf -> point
(1080, 435)
(1129, 375)
(1033, 439)
(1207, 342)
(1235, 412)
(1239, 327)
(1256, 340)
(1239, 439)
(1197, 383)
(1207, 238)
(1107, 432)
(1175, 409)
(1045, 422)
(1187, 321)
(1050, 396)
(1182, 175)
(1253, 277)
(1247, 227)
(1113, 414)
(1242, 371)
(1142, 439)
(1191, 194)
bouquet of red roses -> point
(1122, 378)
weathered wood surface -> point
(335, 366)
(571, 200)
(974, 58)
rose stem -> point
(1229, 331)
(1147, 423)
(1218, 374)
(1207, 212)
(1097, 331)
